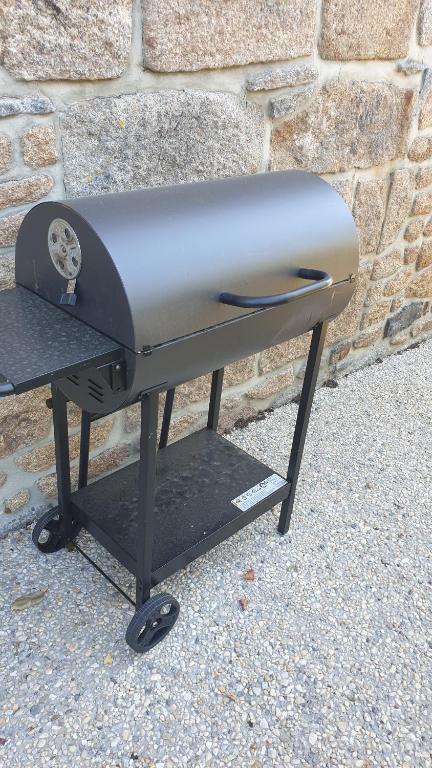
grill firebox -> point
(122, 297)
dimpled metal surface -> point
(197, 478)
(40, 342)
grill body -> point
(121, 297)
(156, 261)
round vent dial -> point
(64, 249)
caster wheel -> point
(46, 533)
(152, 622)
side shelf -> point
(197, 480)
(40, 343)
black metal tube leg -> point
(215, 399)
(61, 438)
(302, 422)
(166, 420)
(146, 495)
(84, 449)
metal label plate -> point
(259, 492)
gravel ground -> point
(330, 663)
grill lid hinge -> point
(146, 350)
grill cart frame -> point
(126, 296)
(92, 507)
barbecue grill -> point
(122, 297)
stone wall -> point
(98, 96)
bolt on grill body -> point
(122, 297)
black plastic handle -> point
(6, 389)
(321, 280)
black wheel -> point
(152, 622)
(46, 533)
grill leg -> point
(61, 438)
(215, 399)
(166, 420)
(306, 399)
(84, 449)
(146, 495)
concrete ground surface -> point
(328, 665)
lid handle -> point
(321, 280)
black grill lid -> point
(40, 343)
(151, 264)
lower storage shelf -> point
(197, 480)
